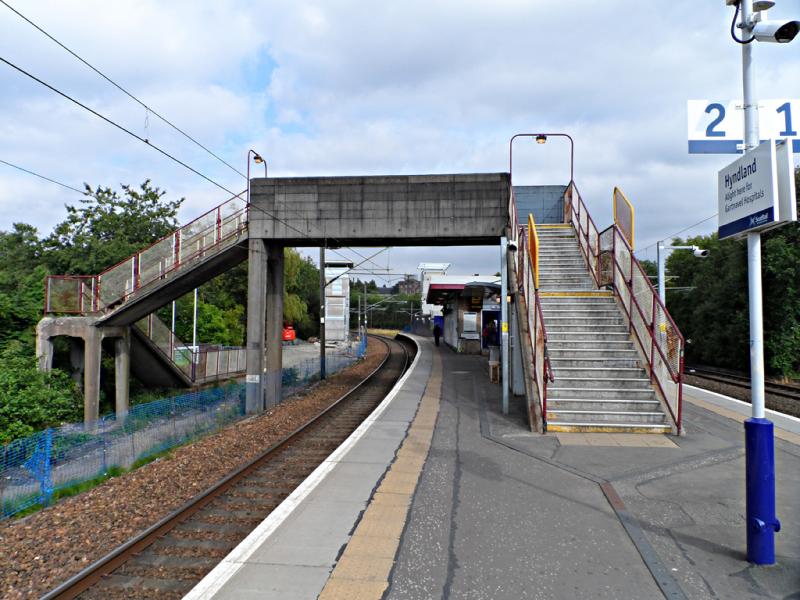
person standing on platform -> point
(437, 333)
(491, 334)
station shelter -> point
(470, 306)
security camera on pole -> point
(753, 194)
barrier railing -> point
(207, 235)
(526, 240)
(199, 365)
(612, 263)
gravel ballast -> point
(45, 549)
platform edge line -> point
(207, 587)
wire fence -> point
(34, 469)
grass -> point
(84, 486)
(386, 332)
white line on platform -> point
(786, 422)
(219, 576)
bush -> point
(31, 400)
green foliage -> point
(107, 227)
(713, 313)
(31, 400)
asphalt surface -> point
(504, 513)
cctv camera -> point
(781, 32)
(700, 253)
(512, 246)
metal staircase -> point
(599, 382)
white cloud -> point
(350, 87)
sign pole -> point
(761, 521)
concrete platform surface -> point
(445, 497)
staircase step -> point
(562, 328)
(600, 362)
(591, 382)
(588, 321)
(590, 354)
(579, 336)
(607, 404)
(565, 372)
(603, 416)
(569, 427)
(600, 393)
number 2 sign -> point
(718, 127)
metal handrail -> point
(676, 375)
(171, 263)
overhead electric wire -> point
(677, 233)
(131, 96)
(117, 125)
(24, 170)
(122, 89)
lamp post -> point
(661, 254)
(761, 521)
(258, 160)
(541, 138)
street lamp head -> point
(781, 32)
(541, 138)
(257, 159)
(760, 5)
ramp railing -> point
(203, 237)
(611, 261)
(527, 267)
(198, 364)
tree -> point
(108, 228)
(21, 284)
(31, 400)
(713, 313)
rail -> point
(205, 236)
(527, 268)
(611, 262)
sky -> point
(362, 88)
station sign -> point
(757, 191)
(748, 192)
(717, 127)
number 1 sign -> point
(718, 127)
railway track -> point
(169, 558)
(783, 390)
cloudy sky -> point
(355, 87)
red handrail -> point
(175, 260)
(617, 237)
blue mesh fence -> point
(35, 467)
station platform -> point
(439, 495)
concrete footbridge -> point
(587, 344)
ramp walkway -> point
(445, 497)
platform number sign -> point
(717, 127)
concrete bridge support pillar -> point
(122, 375)
(92, 354)
(256, 313)
(88, 356)
(274, 316)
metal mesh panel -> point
(69, 294)
(156, 260)
(116, 283)
(34, 467)
(623, 215)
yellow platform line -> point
(576, 294)
(362, 572)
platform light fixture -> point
(541, 138)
